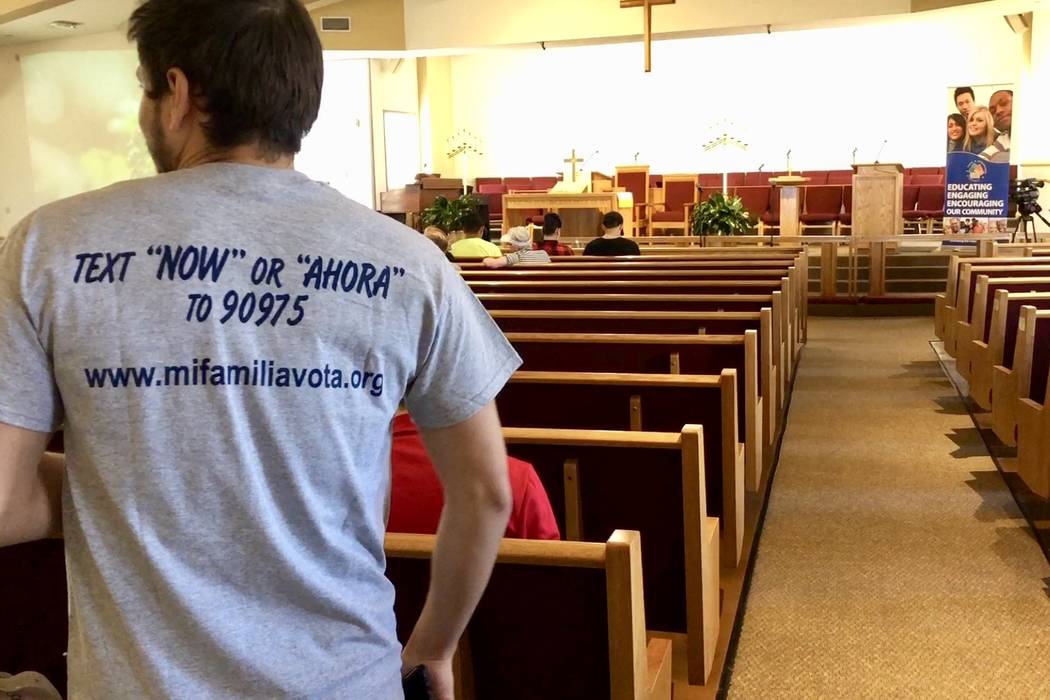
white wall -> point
(463, 23)
(818, 92)
(338, 150)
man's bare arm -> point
(30, 487)
(471, 460)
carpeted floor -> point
(893, 563)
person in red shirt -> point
(551, 232)
(416, 496)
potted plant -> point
(447, 213)
(721, 216)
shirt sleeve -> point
(28, 394)
(464, 358)
(512, 259)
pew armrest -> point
(658, 681)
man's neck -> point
(249, 154)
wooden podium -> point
(878, 195)
(789, 202)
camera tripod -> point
(1023, 225)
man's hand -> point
(471, 460)
(30, 487)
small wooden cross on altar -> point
(647, 11)
(573, 161)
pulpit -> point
(878, 195)
(406, 203)
(788, 189)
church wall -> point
(433, 24)
(374, 25)
(395, 88)
(820, 93)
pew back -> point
(556, 617)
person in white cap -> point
(519, 240)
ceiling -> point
(97, 15)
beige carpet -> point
(894, 562)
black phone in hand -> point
(415, 684)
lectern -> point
(788, 185)
(878, 196)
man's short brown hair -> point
(254, 66)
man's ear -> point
(181, 105)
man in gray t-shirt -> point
(225, 346)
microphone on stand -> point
(880, 151)
(761, 166)
(854, 155)
(789, 161)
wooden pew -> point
(1010, 384)
(665, 354)
(954, 305)
(963, 313)
(793, 269)
(33, 610)
(942, 303)
(771, 364)
(600, 481)
(558, 619)
(977, 328)
(1033, 416)
(640, 402)
(1001, 339)
(791, 318)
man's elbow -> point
(487, 498)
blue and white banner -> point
(977, 177)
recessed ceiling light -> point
(65, 24)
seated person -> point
(551, 233)
(416, 497)
(473, 246)
(438, 238)
(518, 241)
(612, 241)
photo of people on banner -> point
(977, 178)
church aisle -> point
(894, 562)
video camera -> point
(1025, 194)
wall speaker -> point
(335, 24)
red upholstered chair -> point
(544, 183)
(771, 219)
(706, 192)
(846, 217)
(656, 181)
(487, 181)
(518, 183)
(680, 196)
(736, 180)
(755, 200)
(929, 206)
(924, 179)
(823, 206)
(926, 170)
(840, 177)
(816, 177)
(635, 179)
(756, 179)
(493, 194)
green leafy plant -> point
(721, 216)
(446, 213)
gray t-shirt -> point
(226, 347)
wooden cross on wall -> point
(647, 12)
(574, 160)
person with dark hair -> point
(612, 241)
(956, 132)
(226, 345)
(473, 245)
(965, 101)
(551, 234)
(1001, 107)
